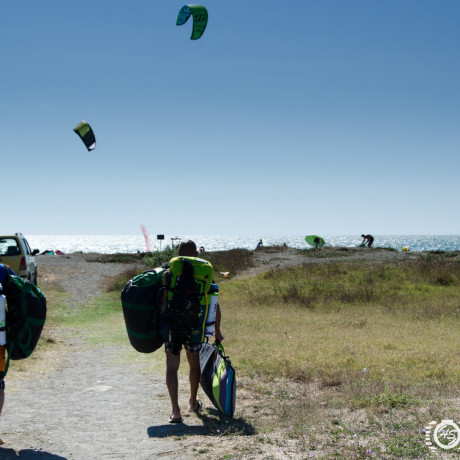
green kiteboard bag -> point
(139, 301)
(185, 301)
(218, 378)
(25, 317)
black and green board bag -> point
(25, 317)
(139, 301)
(218, 378)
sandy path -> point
(91, 409)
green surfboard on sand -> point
(315, 241)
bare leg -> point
(2, 400)
(172, 382)
(194, 377)
(218, 333)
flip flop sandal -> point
(175, 420)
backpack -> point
(185, 301)
(25, 316)
(218, 378)
(139, 301)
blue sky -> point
(333, 117)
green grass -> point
(343, 317)
(158, 258)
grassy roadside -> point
(348, 359)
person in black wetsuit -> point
(369, 239)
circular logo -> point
(447, 434)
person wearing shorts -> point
(192, 350)
(191, 347)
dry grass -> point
(117, 282)
(233, 261)
(348, 360)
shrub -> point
(233, 260)
(158, 258)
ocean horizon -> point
(110, 244)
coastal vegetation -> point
(350, 353)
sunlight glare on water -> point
(110, 244)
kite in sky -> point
(200, 19)
(86, 134)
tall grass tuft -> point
(158, 258)
(314, 285)
(117, 282)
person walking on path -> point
(369, 239)
(186, 249)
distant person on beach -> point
(259, 244)
(201, 249)
(187, 249)
(369, 239)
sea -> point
(111, 244)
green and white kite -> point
(315, 241)
(86, 134)
(200, 19)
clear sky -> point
(333, 117)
